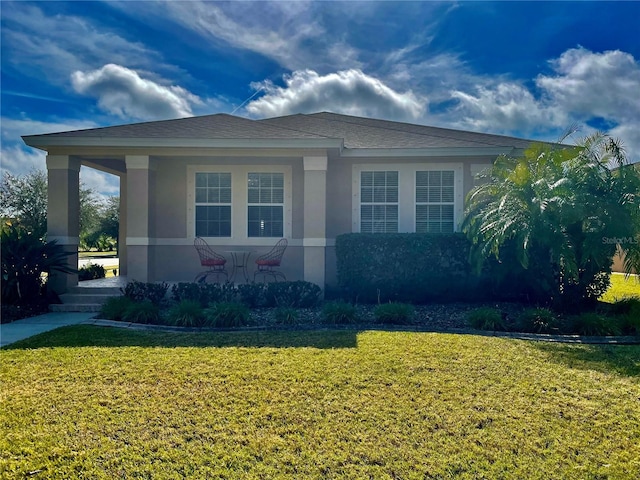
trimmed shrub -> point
(285, 316)
(298, 294)
(422, 268)
(394, 313)
(486, 318)
(115, 307)
(187, 313)
(253, 295)
(142, 312)
(140, 291)
(339, 312)
(538, 320)
(204, 293)
(227, 314)
(91, 272)
(594, 324)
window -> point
(435, 201)
(265, 197)
(213, 204)
(379, 202)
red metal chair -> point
(269, 262)
(210, 259)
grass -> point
(90, 402)
(622, 287)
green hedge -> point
(420, 268)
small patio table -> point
(240, 260)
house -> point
(243, 184)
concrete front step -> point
(83, 298)
(75, 307)
(112, 291)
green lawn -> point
(90, 402)
(622, 287)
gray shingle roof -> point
(356, 132)
(359, 132)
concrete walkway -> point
(28, 327)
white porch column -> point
(140, 221)
(63, 215)
(315, 219)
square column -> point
(63, 215)
(140, 218)
(315, 219)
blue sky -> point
(528, 69)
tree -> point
(561, 212)
(24, 199)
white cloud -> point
(53, 46)
(505, 107)
(17, 160)
(350, 92)
(592, 84)
(104, 184)
(123, 92)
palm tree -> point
(561, 212)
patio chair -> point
(269, 263)
(211, 260)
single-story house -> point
(242, 184)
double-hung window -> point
(379, 202)
(435, 201)
(265, 204)
(213, 204)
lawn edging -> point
(539, 337)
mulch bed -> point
(11, 313)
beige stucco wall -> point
(171, 250)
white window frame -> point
(438, 204)
(407, 191)
(239, 202)
(264, 204)
(216, 204)
(385, 203)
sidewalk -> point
(28, 327)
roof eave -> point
(44, 142)
(429, 152)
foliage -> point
(253, 294)
(293, 294)
(114, 308)
(420, 268)
(140, 291)
(590, 323)
(538, 320)
(105, 403)
(110, 219)
(187, 313)
(486, 318)
(560, 212)
(91, 271)
(25, 258)
(394, 313)
(24, 199)
(339, 312)
(285, 315)
(227, 314)
(204, 293)
(144, 311)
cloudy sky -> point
(531, 70)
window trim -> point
(407, 191)
(239, 202)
